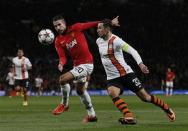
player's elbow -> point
(29, 67)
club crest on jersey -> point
(71, 44)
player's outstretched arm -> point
(61, 54)
(83, 26)
(129, 49)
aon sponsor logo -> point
(71, 44)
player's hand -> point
(60, 67)
(115, 21)
(144, 68)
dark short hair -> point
(107, 23)
(58, 17)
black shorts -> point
(129, 81)
(23, 83)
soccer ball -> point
(46, 36)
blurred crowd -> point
(157, 29)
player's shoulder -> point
(74, 26)
(116, 38)
(58, 39)
(25, 58)
(99, 40)
(14, 59)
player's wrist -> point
(140, 63)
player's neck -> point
(20, 57)
(108, 36)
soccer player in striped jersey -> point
(21, 66)
(71, 39)
(120, 75)
(10, 79)
(38, 85)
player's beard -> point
(64, 32)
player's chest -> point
(69, 42)
(19, 62)
(169, 75)
(106, 49)
(38, 81)
(11, 75)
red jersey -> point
(75, 43)
(170, 76)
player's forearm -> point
(62, 60)
(61, 54)
(127, 48)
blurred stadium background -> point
(157, 29)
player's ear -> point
(64, 22)
(108, 29)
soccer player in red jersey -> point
(71, 40)
(170, 76)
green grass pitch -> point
(37, 116)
